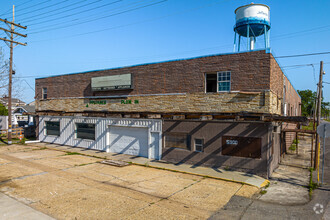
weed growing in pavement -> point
(268, 184)
(42, 148)
(72, 153)
(262, 192)
(311, 185)
(83, 164)
(293, 147)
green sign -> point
(128, 101)
(98, 102)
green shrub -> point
(293, 147)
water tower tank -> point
(252, 21)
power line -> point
(302, 55)
(135, 23)
(58, 10)
(29, 85)
(111, 15)
(23, 9)
(39, 9)
(80, 12)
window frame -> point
(201, 145)
(178, 134)
(218, 81)
(44, 93)
(76, 131)
(59, 126)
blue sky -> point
(68, 36)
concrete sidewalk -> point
(216, 173)
(287, 196)
(13, 209)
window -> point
(211, 82)
(44, 93)
(223, 81)
(177, 140)
(199, 145)
(53, 128)
(218, 82)
(85, 131)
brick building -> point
(221, 110)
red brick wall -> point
(276, 78)
(292, 99)
(289, 136)
(249, 71)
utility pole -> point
(10, 33)
(319, 110)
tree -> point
(3, 110)
(17, 90)
(308, 101)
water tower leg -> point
(268, 42)
(235, 42)
(252, 42)
(265, 33)
(239, 42)
(248, 37)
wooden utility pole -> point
(10, 33)
(319, 110)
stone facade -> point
(263, 102)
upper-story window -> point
(218, 82)
(223, 81)
(44, 93)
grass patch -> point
(308, 127)
(72, 153)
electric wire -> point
(77, 13)
(95, 19)
(39, 9)
(302, 55)
(131, 24)
(58, 11)
(23, 9)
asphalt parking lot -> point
(72, 186)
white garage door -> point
(129, 140)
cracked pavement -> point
(67, 186)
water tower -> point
(252, 21)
